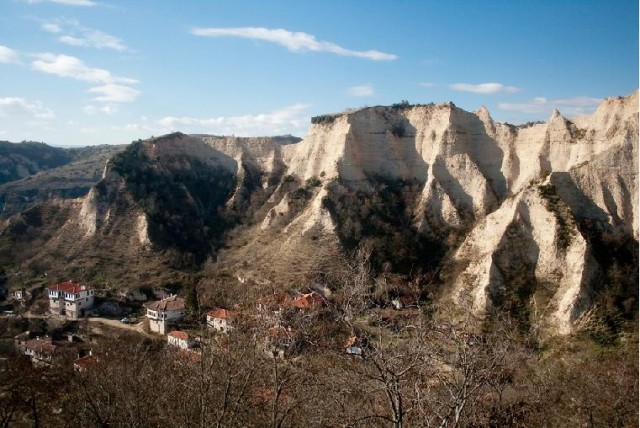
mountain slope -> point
(504, 218)
(48, 172)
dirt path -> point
(118, 324)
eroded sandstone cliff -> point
(508, 217)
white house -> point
(164, 313)
(179, 339)
(220, 320)
(70, 299)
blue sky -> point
(80, 72)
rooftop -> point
(179, 335)
(220, 313)
(85, 361)
(69, 287)
(41, 346)
(171, 303)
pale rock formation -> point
(474, 176)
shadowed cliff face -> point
(509, 216)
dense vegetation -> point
(382, 218)
(424, 374)
(26, 158)
(173, 198)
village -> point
(163, 317)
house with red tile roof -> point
(83, 363)
(70, 299)
(180, 339)
(163, 314)
(42, 352)
(220, 320)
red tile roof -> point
(41, 346)
(220, 313)
(69, 287)
(179, 335)
(85, 361)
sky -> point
(85, 72)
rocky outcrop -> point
(512, 217)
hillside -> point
(539, 220)
(37, 173)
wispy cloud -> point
(78, 35)
(75, 68)
(361, 91)
(52, 27)
(66, 2)
(111, 89)
(293, 41)
(113, 93)
(484, 88)
(541, 105)
(8, 55)
(109, 109)
(291, 119)
(16, 106)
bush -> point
(313, 182)
(402, 105)
(323, 119)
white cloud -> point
(15, 106)
(78, 35)
(112, 93)
(293, 41)
(291, 119)
(109, 109)
(69, 66)
(52, 27)
(484, 88)
(8, 55)
(94, 39)
(89, 110)
(361, 91)
(568, 106)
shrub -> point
(323, 119)
(313, 182)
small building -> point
(180, 339)
(70, 299)
(42, 352)
(165, 313)
(220, 320)
(83, 363)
